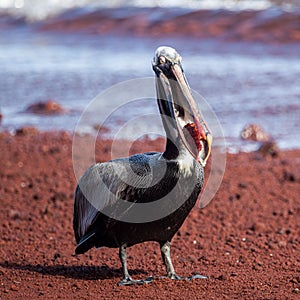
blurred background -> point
(242, 56)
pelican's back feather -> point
(102, 185)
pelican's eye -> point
(162, 60)
(179, 111)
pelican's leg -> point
(166, 256)
(127, 280)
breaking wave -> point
(258, 21)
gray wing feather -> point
(84, 214)
(102, 185)
(92, 196)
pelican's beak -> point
(181, 105)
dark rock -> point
(268, 148)
(27, 131)
(49, 107)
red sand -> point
(246, 239)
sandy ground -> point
(246, 240)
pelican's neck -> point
(178, 153)
(171, 152)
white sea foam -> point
(38, 10)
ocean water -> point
(244, 82)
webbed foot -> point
(197, 276)
(174, 276)
(130, 281)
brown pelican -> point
(176, 176)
